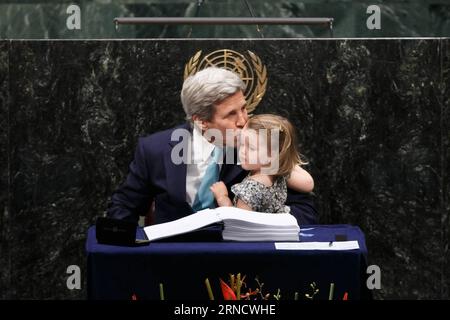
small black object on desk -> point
(116, 232)
(338, 237)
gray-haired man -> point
(213, 101)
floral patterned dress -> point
(260, 197)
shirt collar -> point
(202, 148)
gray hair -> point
(206, 88)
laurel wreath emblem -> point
(191, 67)
(258, 84)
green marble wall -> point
(5, 279)
(372, 117)
(37, 19)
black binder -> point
(123, 233)
(116, 232)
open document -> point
(239, 225)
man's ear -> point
(202, 124)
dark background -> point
(372, 118)
(46, 19)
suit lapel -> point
(231, 170)
(176, 173)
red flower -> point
(227, 292)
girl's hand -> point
(219, 190)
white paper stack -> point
(239, 225)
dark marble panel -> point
(369, 121)
(387, 137)
(4, 127)
(369, 117)
(77, 110)
(445, 160)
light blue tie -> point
(204, 198)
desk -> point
(116, 272)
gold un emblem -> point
(251, 71)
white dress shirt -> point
(201, 155)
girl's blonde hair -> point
(289, 156)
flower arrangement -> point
(237, 289)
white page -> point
(259, 238)
(231, 216)
(267, 229)
(336, 245)
(249, 218)
(187, 224)
(261, 233)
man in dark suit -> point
(213, 101)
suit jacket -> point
(153, 176)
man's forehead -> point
(233, 104)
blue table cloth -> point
(116, 272)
